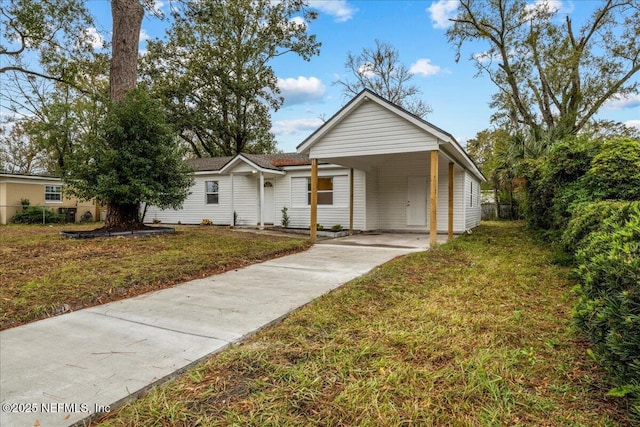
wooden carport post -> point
(351, 202)
(433, 226)
(450, 201)
(314, 199)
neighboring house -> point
(41, 190)
(378, 166)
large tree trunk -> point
(127, 22)
(122, 216)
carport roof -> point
(445, 137)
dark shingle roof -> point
(38, 175)
(208, 163)
(267, 161)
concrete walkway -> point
(59, 371)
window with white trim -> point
(471, 194)
(325, 190)
(211, 190)
(53, 193)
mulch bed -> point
(116, 231)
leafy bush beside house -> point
(554, 183)
(608, 311)
(615, 171)
(36, 215)
(586, 195)
(587, 218)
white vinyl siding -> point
(372, 200)
(380, 197)
(242, 167)
(392, 189)
(195, 207)
(299, 192)
(372, 129)
(328, 215)
(473, 210)
(246, 199)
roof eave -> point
(240, 158)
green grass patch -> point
(43, 274)
(475, 332)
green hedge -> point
(604, 215)
(34, 215)
(608, 271)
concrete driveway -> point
(412, 241)
(60, 370)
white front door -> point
(417, 200)
(269, 204)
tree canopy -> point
(380, 70)
(57, 32)
(551, 76)
(213, 71)
(133, 158)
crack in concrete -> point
(163, 328)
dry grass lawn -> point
(43, 274)
(475, 333)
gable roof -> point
(266, 162)
(368, 95)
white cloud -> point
(366, 70)
(441, 11)
(486, 57)
(623, 102)
(290, 127)
(157, 7)
(633, 124)
(144, 36)
(550, 6)
(339, 9)
(424, 67)
(94, 38)
(301, 90)
(299, 21)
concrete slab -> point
(416, 241)
(61, 370)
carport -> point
(418, 178)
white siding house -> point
(372, 157)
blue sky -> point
(417, 30)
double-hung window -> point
(53, 193)
(325, 191)
(211, 189)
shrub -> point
(590, 217)
(35, 215)
(285, 217)
(554, 183)
(336, 228)
(206, 222)
(615, 171)
(608, 309)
